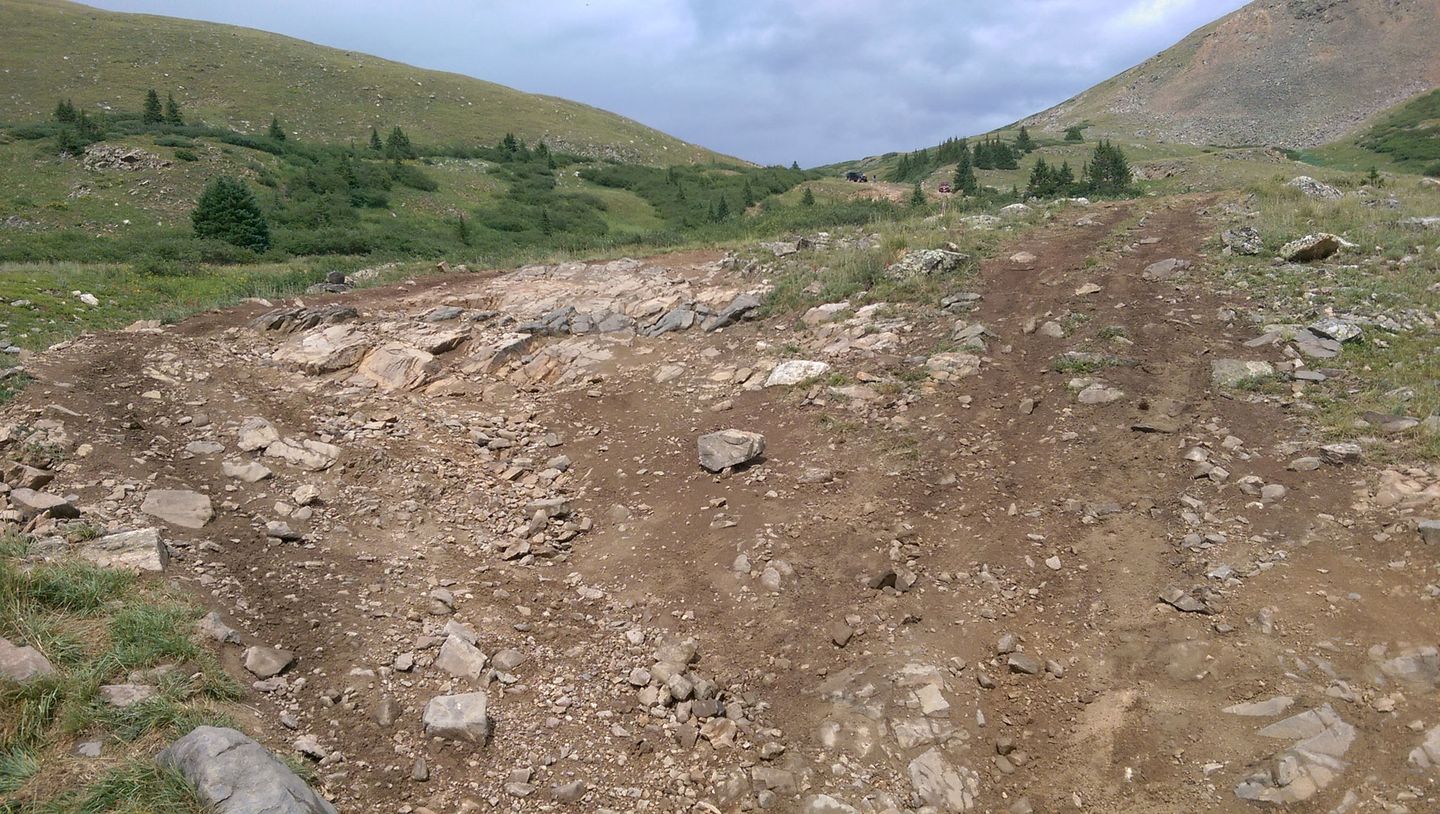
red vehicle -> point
(945, 189)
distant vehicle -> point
(856, 177)
(945, 189)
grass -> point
(241, 77)
(1392, 273)
(97, 627)
(850, 272)
(1084, 364)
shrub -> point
(183, 154)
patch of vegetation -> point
(1409, 135)
(1390, 372)
(96, 627)
(1081, 364)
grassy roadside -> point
(1389, 283)
(99, 627)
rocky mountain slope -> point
(238, 77)
(1290, 73)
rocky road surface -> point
(1022, 553)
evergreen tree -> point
(228, 211)
(964, 181)
(917, 197)
(902, 169)
(376, 145)
(462, 229)
(1023, 144)
(1109, 170)
(65, 112)
(276, 133)
(79, 133)
(1041, 182)
(153, 112)
(546, 227)
(1065, 179)
(397, 145)
(1074, 134)
(749, 194)
(808, 199)
(172, 111)
(722, 209)
(510, 144)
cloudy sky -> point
(768, 80)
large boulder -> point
(140, 550)
(236, 775)
(324, 351)
(31, 503)
(1243, 240)
(21, 664)
(925, 263)
(1230, 372)
(1315, 189)
(314, 456)
(461, 717)
(1312, 247)
(397, 366)
(726, 448)
(179, 507)
(795, 371)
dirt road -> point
(1022, 512)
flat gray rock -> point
(236, 775)
(31, 503)
(267, 662)
(179, 507)
(22, 664)
(139, 550)
(458, 717)
(727, 448)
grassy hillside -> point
(238, 78)
(1406, 138)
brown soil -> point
(954, 481)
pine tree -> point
(1023, 144)
(510, 144)
(1065, 179)
(902, 169)
(153, 112)
(1074, 134)
(722, 209)
(276, 132)
(749, 193)
(917, 197)
(172, 111)
(376, 145)
(397, 145)
(227, 211)
(546, 227)
(964, 180)
(65, 112)
(1041, 183)
(1109, 170)
(808, 199)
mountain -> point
(1288, 73)
(239, 77)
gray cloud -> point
(768, 80)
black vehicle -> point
(856, 177)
